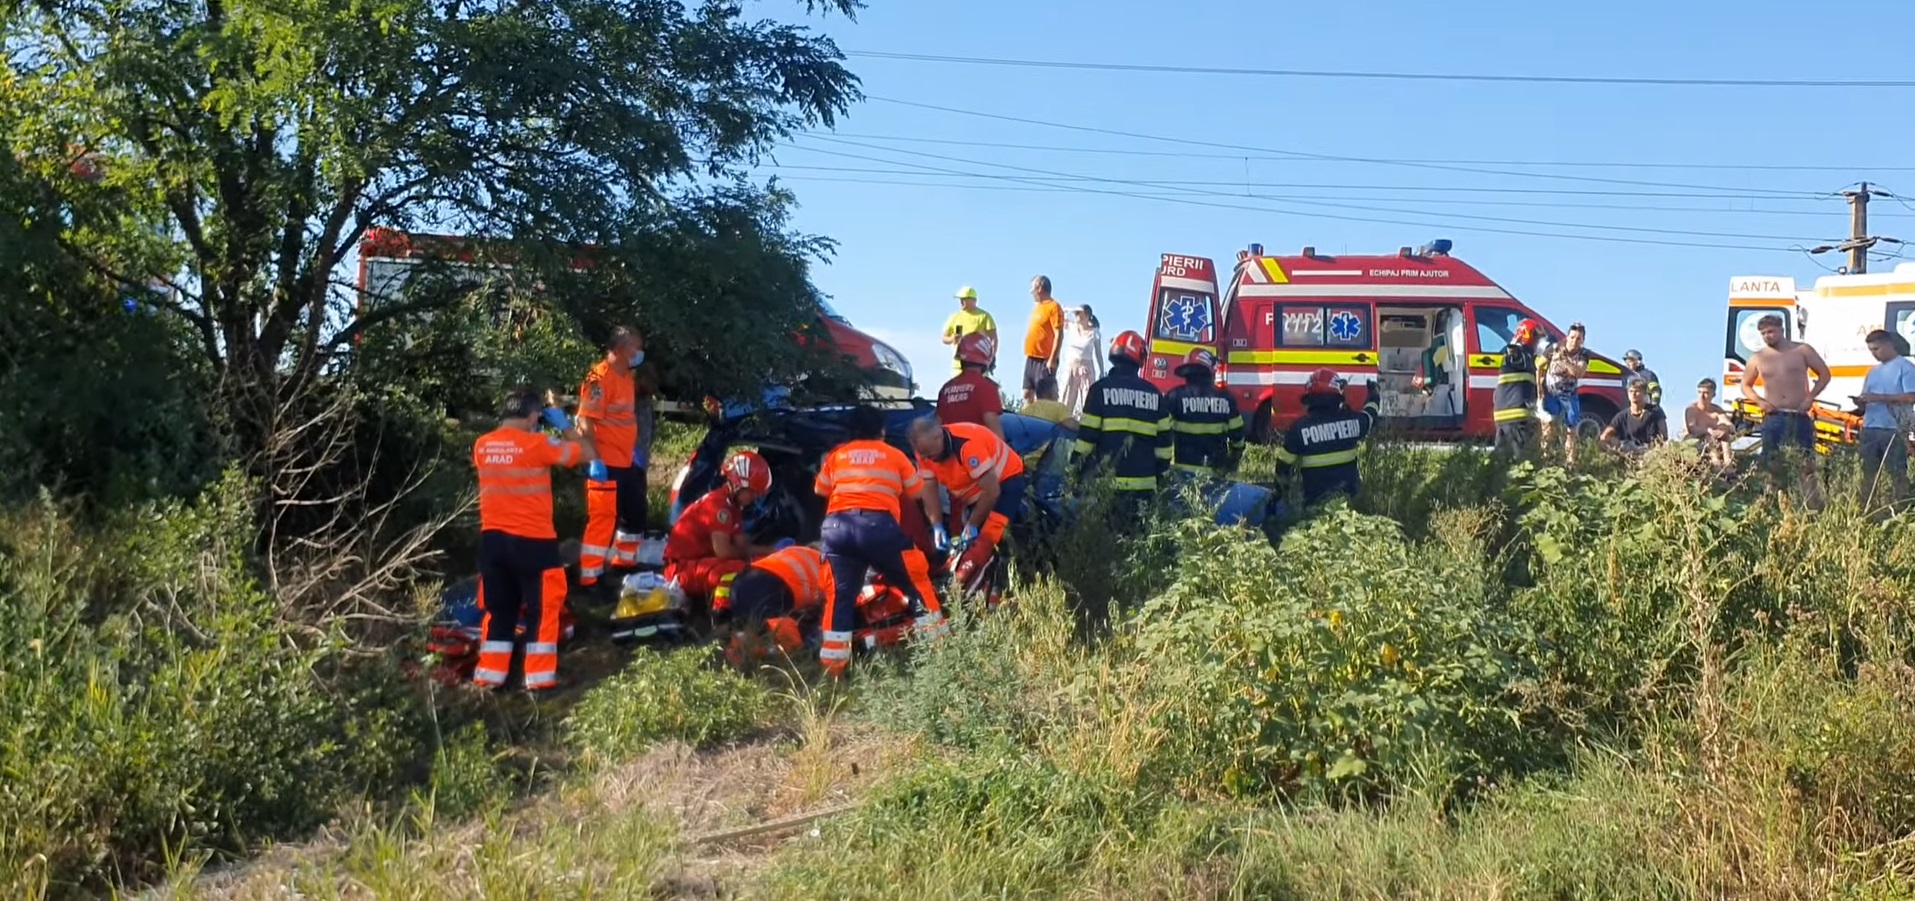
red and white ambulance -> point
(1426, 326)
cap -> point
(967, 293)
(1632, 354)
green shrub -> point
(677, 695)
(1329, 666)
(154, 699)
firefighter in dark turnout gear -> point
(1125, 424)
(1515, 404)
(1325, 443)
(1208, 428)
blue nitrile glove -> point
(784, 543)
(638, 458)
(940, 537)
(970, 535)
(595, 471)
(556, 418)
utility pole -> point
(1859, 241)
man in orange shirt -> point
(708, 541)
(615, 506)
(865, 482)
(519, 561)
(1041, 343)
(985, 479)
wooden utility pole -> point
(1859, 241)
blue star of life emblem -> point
(1185, 319)
(1345, 326)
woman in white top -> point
(1081, 362)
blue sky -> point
(906, 248)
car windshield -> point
(831, 311)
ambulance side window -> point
(1338, 325)
(1899, 318)
(1495, 326)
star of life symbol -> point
(1345, 326)
(1185, 319)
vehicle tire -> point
(1595, 417)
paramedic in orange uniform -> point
(970, 396)
(985, 479)
(708, 541)
(519, 562)
(608, 414)
(865, 482)
(771, 595)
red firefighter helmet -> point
(1323, 383)
(746, 469)
(1200, 358)
(1527, 331)
(976, 347)
(1128, 346)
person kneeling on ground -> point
(1327, 440)
(768, 598)
(1635, 430)
(708, 541)
(986, 481)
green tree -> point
(264, 138)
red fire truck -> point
(1426, 326)
(388, 257)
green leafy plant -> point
(679, 695)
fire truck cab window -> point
(1340, 326)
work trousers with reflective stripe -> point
(699, 578)
(615, 513)
(1010, 503)
(519, 575)
(855, 542)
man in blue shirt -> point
(1887, 392)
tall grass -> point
(1473, 681)
(154, 704)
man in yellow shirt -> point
(1042, 342)
(969, 320)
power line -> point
(1322, 215)
(1247, 193)
(1561, 164)
(1337, 205)
(1335, 158)
(1386, 76)
(1466, 189)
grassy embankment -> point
(1514, 685)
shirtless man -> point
(1704, 423)
(1783, 368)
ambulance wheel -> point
(1260, 432)
(1595, 418)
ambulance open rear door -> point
(1183, 315)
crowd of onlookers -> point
(1063, 346)
(1064, 354)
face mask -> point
(638, 358)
